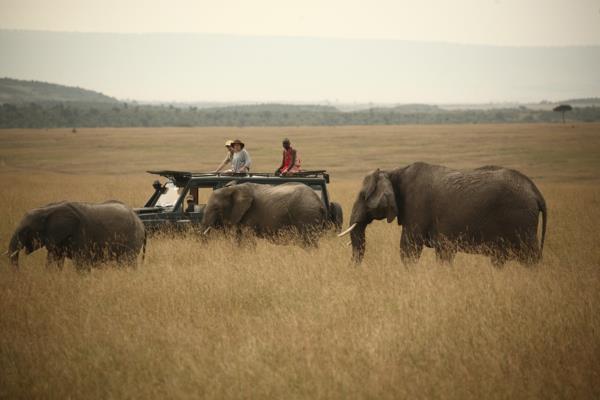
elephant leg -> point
(55, 259)
(238, 236)
(244, 237)
(529, 258)
(84, 267)
(132, 261)
(529, 254)
(310, 239)
(410, 249)
(82, 264)
(127, 260)
(445, 254)
(499, 258)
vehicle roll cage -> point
(187, 180)
(184, 176)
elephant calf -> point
(85, 232)
(267, 210)
(489, 210)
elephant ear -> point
(370, 183)
(61, 222)
(242, 200)
(379, 196)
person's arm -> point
(220, 166)
(247, 162)
(223, 163)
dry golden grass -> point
(211, 320)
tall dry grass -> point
(218, 321)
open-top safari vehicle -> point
(179, 202)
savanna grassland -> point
(212, 320)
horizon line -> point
(282, 36)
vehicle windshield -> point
(169, 195)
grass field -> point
(211, 320)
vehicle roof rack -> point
(180, 176)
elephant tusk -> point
(349, 243)
(347, 231)
(13, 254)
(206, 231)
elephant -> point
(87, 233)
(267, 211)
(489, 210)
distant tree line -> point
(60, 115)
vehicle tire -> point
(336, 216)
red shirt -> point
(287, 161)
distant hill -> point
(16, 91)
(416, 108)
(32, 104)
(77, 114)
(279, 108)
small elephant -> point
(85, 232)
(267, 210)
(489, 210)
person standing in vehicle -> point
(241, 159)
(229, 156)
(291, 160)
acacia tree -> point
(563, 108)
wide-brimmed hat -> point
(228, 143)
(238, 141)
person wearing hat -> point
(241, 159)
(229, 156)
(190, 203)
(291, 160)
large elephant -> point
(85, 232)
(267, 210)
(489, 210)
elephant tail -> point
(542, 208)
(144, 247)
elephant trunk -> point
(209, 223)
(359, 218)
(13, 250)
(357, 237)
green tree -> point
(563, 108)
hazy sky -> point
(309, 50)
(496, 22)
(210, 67)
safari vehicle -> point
(178, 203)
